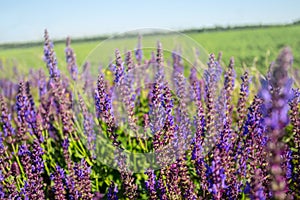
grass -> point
(250, 47)
(259, 45)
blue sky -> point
(26, 20)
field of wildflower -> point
(149, 126)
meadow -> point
(155, 117)
(250, 47)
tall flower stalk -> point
(276, 101)
(71, 60)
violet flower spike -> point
(151, 184)
(118, 68)
(112, 191)
(58, 177)
(138, 51)
(71, 60)
(244, 94)
(5, 119)
(50, 58)
(88, 124)
(278, 119)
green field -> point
(250, 47)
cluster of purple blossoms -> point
(33, 165)
(151, 184)
(88, 125)
(112, 191)
(58, 177)
(209, 143)
(276, 94)
(50, 57)
(118, 68)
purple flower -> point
(161, 187)
(31, 117)
(37, 161)
(157, 113)
(82, 172)
(257, 189)
(112, 191)
(65, 143)
(244, 93)
(225, 110)
(288, 165)
(2, 192)
(118, 68)
(184, 131)
(169, 118)
(25, 191)
(129, 62)
(199, 123)
(33, 166)
(295, 122)
(128, 181)
(211, 76)
(138, 51)
(216, 176)
(5, 119)
(88, 124)
(102, 98)
(276, 102)
(71, 60)
(23, 150)
(151, 184)
(172, 181)
(177, 63)
(125, 91)
(42, 84)
(104, 109)
(186, 184)
(58, 177)
(22, 107)
(50, 57)
(229, 78)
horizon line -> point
(214, 28)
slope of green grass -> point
(250, 47)
(260, 45)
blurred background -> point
(251, 31)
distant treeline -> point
(227, 28)
(99, 38)
(39, 43)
